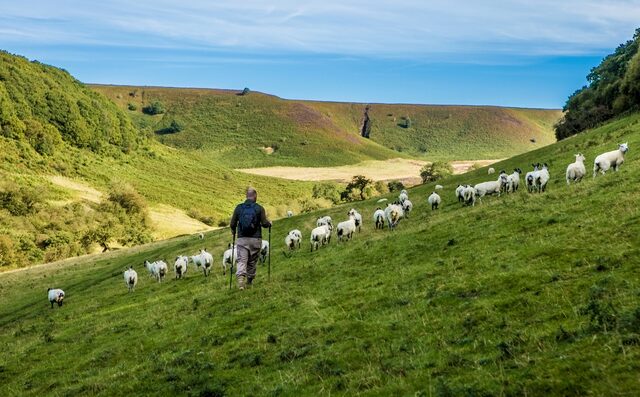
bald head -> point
(252, 194)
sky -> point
(471, 52)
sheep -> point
(201, 235)
(403, 196)
(264, 251)
(513, 180)
(434, 200)
(460, 193)
(130, 279)
(382, 200)
(542, 178)
(297, 233)
(378, 218)
(407, 206)
(180, 266)
(469, 195)
(576, 170)
(320, 235)
(227, 256)
(197, 261)
(347, 228)
(207, 262)
(325, 220)
(292, 241)
(157, 269)
(491, 187)
(491, 170)
(56, 295)
(529, 177)
(394, 214)
(357, 217)
(289, 214)
(439, 187)
(404, 191)
(613, 159)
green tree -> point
(359, 183)
(326, 190)
(395, 186)
(434, 171)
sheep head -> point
(624, 147)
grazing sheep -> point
(407, 206)
(469, 195)
(394, 214)
(180, 266)
(491, 187)
(357, 217)
(403, 196)
(439, 187)
(325, 220)
(292, 241)
(297, 233)
(542, 178)
(321, 235)
(289, 214)
(207, 262)
(459, 193)
(347, 228)
(434, 200)
(264, 251)
(529, 178)
(226, 258)
(378, 218)
(404, 191)
(157, 269)
(56, 295)
(613, 159)
(576, 170)
(513, 180)
(491, 170)
(130, 279)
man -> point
(248, 219)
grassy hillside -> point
(236, 129)
(522, 295)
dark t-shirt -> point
(261, 214)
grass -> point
(522, 295)
(237, 129)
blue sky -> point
(514, 53)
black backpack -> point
(249, 222)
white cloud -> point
(407, 28)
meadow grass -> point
(525, 294)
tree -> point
(244, 92)
(328, 191)
(359, 182)
(395, 186)
(436, 170)
(155, 107)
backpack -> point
(248, 222)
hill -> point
(525, 294)
(237, 129)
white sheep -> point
(157, 269)
(529, 178)
(347, 228)
(439, 187)
(407, 206)
(201, 235)
(207, 262)
(613, 159)
(469, 195)
(321, 235)
(491, 170)
(576, 170)
(227, 257)
(292, 241)
(378, 218)
(55, 295)
(180, 266)
(491, 187)
(394, 214)
(325, 220)
(297, 233)
(264, 251)
(435, 200)
(460, 193)
(130, 279)
(542, 178)
(404, 191)
(513, 180)
(357, 217)
(403, 196)
(289, 214)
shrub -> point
(328, 191)
(244, 92)
(405, 122)
(381, 188)
(395, 186)
(359, 183)
(436, 170)
(127, 198)
(155, 107)
(132, 106)
(19, 200)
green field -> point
(521, 295)
(234, 129)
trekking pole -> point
(269, 268)
(233, 249)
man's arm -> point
(234, 221)
(263, 218)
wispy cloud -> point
(407, 28)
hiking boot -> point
(249, 282)
(242, 282)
